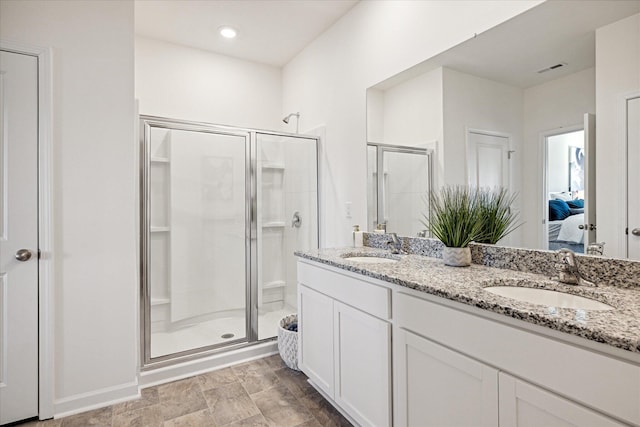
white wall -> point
(472, 102)
(558, 159)
(327, 83)
(412, 111)
(96, 282)
(184, 83)
(553, 105)
(618, 65)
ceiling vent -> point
(553, 67)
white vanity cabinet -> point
(345, 341)
(315, 346)
(525, 405)
(439, 387)
(453, 364)
(481, 372)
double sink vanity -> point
(404, 340)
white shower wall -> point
(287, 184)
(300, 195)
(207, 217)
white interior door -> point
(18, 237)
(488, 157)
(633, 178)
(488, 160)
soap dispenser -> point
(357, 237)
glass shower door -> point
(197, 250)
(287, 220)
(405, 191)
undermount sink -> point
(548, 297)
(370, 259)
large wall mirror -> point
(515, 107)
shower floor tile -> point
(211, 332)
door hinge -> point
(39, 254)
(509, 153)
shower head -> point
(286, 119)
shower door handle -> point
(296, 221)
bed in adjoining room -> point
(565, 217)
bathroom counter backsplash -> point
(619, 327)
(606, 271)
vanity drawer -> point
(364, 295)
(602, 382)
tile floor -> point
(263, 392)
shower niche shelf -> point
(165, 229)
(274, 284)
(273, 224)
(274, 166)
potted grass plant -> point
(495, 214)
(460, 215)
(454, 219)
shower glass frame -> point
(250, 135)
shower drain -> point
(227, 336)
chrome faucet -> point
(568, 271)
(395, 244)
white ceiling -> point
(269, 31)
(551, 33)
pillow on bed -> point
(558, 210)
(576, 204)
(561, 196)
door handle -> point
(592, 227)
(297, 220)
(23, 255)
(636, 231)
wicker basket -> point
(288, 342)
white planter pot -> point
(457, 257)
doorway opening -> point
(564, 191)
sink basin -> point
(548, 297)
(371, 259)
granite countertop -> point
(619, 327)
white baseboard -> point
(199, 366)
(121, 393)
(96, 399)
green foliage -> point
(460, 215)
(495, 214)
(454, 216)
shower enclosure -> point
(399, 180)
(222, 211)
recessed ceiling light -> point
(227, 32)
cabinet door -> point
(436, 386)
(524, 405)
(363, 366)
(315, 326)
